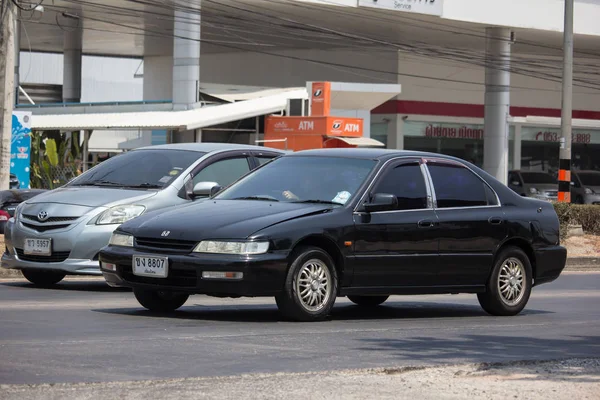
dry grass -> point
(583, 246)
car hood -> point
(218, 219)
(90, 196)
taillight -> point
(4, 216)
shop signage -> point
(20, 147)
(331, 126)
(429, 7)
(443, 130)
(553, 135)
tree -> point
(7, 66)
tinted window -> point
(456, 186)
(224, 172)
(308, 178)
(538, 177)
(589, 178)
(406, 182)
(263, 159)
(145, 168)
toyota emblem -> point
(42, 215)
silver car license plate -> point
(38, 247)
(157, 267)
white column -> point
(497, 103)
(517, 148)
(186, 58)
(73, 41)
(395, 137)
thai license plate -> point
(157, 267)
(38, 247)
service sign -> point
(20, 147)
(429, 7)
(553, 135)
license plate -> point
(38, 247)
(150, 266)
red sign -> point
(548, 136)
(463, 132)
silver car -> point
(60, 232)
(585, 187)
(539, 185)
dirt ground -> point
(556, 380)
(583, 246)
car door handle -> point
(424, 223)
(495, 220)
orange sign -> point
(320, 99)
(329, 126)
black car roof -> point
(368, 153)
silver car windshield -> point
(152, 169)
(317, 179)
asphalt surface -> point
(84, 331)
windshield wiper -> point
(264, 198)
(315, 201)
(145, 185)
(99, 182)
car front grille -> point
(56, 257)
(176, 277)
(45, 228)
(162, 245)
(49, 220)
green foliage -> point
(53, 158)
(586, 215)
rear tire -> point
(161, 301)
(43, 278)
(509, 286)
(310, 287)
(368, 301)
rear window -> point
(538, 177)
(589, 178)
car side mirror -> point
(204, 189)
(382, 202)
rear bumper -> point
(264, 275)
(550, 262)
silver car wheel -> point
(313, 285)
(511, 281)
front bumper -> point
(549, 263)
(74, 250)
(592, 199)
(264, 275)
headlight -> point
(120, 214)
(242, 248)
(533, 190)
(120, 239)
(589, 191)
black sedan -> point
(363, 223)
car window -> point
(146, 168)
(406, 182)
(223, 172)
(456, 186)
(303, 179)
(264, 159)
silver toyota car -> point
(60, 232)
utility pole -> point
(564, 168)
(7, 96)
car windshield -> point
(538, 177)
(145, 169)
(316, 179)
(589, 178)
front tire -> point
(368, 301)
(160, 301)
(509, 286)
(43, 278)
(310, 287)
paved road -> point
(84, 331)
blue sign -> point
(20, 147)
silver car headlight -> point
(120, 214)
(226, 247)
(121, 239)
(533, 190)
